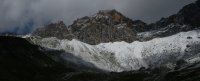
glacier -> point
(122, 56)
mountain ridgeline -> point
(105, 26)
(111, 26)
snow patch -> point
(123, 56)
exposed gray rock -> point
(105, 26)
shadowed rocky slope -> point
(22, 61)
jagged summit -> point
(104, 26)
(107, 17)
(114, 15)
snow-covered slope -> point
(123, 56)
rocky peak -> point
(111, 18)
(185, 20)
(188, 15)
(104, 26)
(111, 14)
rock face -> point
(105, 26)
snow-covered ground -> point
(123, 56)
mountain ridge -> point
(104, 26)
(111, 26)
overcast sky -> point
(29, 14)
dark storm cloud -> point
(20, 14)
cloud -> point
(20, 15)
